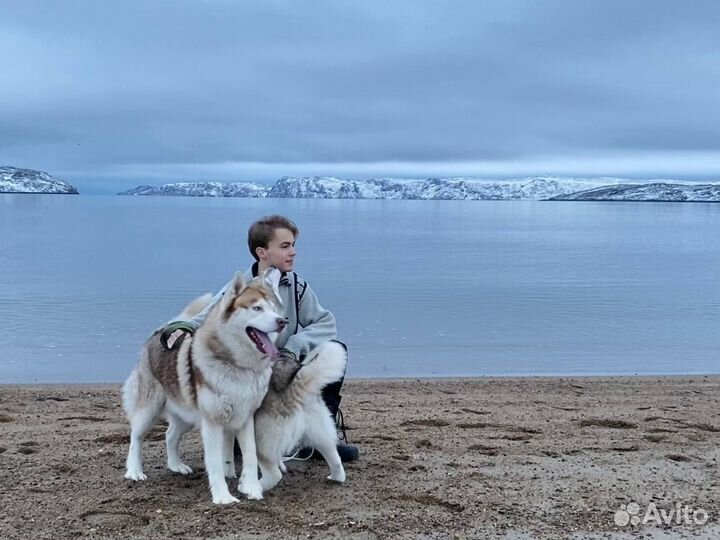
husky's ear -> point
(238, 284)
(234, 288)
(271, 276)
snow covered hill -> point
(14, 180)
(315, 187)
(202, 189)
(656, 191)
(432, 188)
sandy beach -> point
(465, 458)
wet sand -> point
(465, 458)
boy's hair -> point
(263, 230)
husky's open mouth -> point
(262, 341)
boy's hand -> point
(285, 354)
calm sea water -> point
(419, 288)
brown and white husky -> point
(215, 380)
(293, 412)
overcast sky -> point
(109, 95)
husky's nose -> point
(281, 322)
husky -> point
(215, 379)
(293, 412)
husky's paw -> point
(268, 482)
(337, 476)
(252, 491)
(179, 468)
(282, 466)
(135, 475)
(225, 499)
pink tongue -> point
(267, 343)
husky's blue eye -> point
(257, 308)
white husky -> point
(293, 412)
(216, 379)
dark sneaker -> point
(347, 452)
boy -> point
(272, 243)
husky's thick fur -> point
(215, 379)
(293, 412)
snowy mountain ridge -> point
(651, 192)
(202, 189)
(554, 188)
(16, 180)
(327, 187)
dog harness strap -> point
(180, 325)
(301, 294)
(297, 305)
(172, 327)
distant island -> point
(202, 189)
(547, 188)
(649, 192)
(538, 188)
(316, 187)
(15, 180)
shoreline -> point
(489, 457)
(598, 377)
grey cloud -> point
(95, 86)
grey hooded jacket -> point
(309, 324)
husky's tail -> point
(193, 308)
(323, 365)
(196, 306)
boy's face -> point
(280, 251)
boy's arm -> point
(318, 325)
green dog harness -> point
(172, 327)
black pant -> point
(331, 396)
